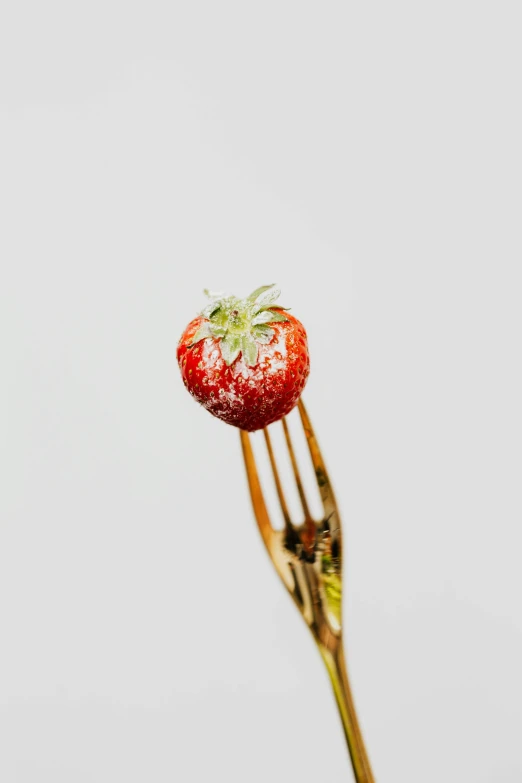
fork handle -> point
(333, 656)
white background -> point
(367, 157)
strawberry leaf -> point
(210, 309)
(218, 331)
(230, 348)
(276, 317)
(263, 334)
(253, 296)
(249, 350)
(202, 333)
(262, 318)
(268, 297)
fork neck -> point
(333, 656)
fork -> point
(308, 558)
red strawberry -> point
(245, 360)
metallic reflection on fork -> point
(308, 558)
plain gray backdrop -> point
(366, 157)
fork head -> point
(308, 555)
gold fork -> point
(308, 558)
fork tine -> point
(297, 474)
(256, 493)
(323, 481)
(279, 488)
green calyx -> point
(241, 324)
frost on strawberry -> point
(245, 360)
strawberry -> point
(245, 360)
